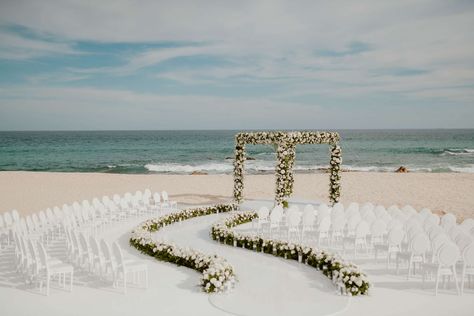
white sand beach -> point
(30, 192)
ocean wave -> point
(463, 169)
(178, 168)
(458, 152)
(263, 166)
(268, 166)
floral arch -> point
(285, 143)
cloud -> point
(14, 46)
(260, 54)
(153, 57)
(91, 108)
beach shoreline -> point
(30, 192)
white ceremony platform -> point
(266, 285)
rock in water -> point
(402, 170)
(198, 173)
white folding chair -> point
(125, 268)
(445, 265)
(50, 270)
(417, 248)
(467, 266)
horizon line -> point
(231, 129)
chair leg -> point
(456, 280)
(397, 263)
(47, 284)
(463, 276)
(124, 282)
(71, 281)
(437, 282)
(409, 268)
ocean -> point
(184, 152)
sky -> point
(128, 65)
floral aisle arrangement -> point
(346, 276)
(217, 273)
(285, 143)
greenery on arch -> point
(285, 143)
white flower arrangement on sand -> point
(217, 273)
(347, 277)
(285, 143)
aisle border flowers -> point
(285, 143)
(346, 276)
(217, 274)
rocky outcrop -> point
(402, 169)
(198, 173)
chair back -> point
(30, 224)
(123, 204)
(324, 224)
(468, 255)
(448, 254)
(338, 207)
(308, 208)
(395, 236)
(425, 212)
(434, 231)
(164, 194)
(366, 207)
(420, 244)
(16, 216)
(352, 222)
(8, 219)
(362, 229)
(106, 199)
(127, 196)
(352, 208)
(43, 256)
(294, 219)
(116, 198)
(408, 210)
(42, 217)
(58, 213)
(156, 197)
(138, 195)
(308, 217)
(94, 244)
(338, 223)
(378, 228)
(323, 211)
(463, 241)
(118, 254)
(438, 241)
(379, 210)
(370, 217)
(467, 224)
(448, 220)
(83, 242)
(263, 212)
(104, 246)
(276, 214)
(75, 241)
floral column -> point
(239, 171)
(335, 176)
(284, 173)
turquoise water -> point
(206, 151)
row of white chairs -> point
(45, 225)
(69, 226)
(378, 230)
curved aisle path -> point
(266, 285)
